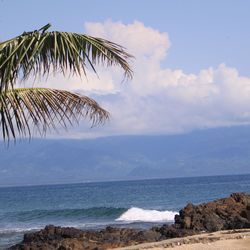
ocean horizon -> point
(95, 205)
(116, 180)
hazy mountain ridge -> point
(206, 152)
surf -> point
(143, 215)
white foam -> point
(139, 214)
(18, 230)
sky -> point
(191, 66)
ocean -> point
(139, 204)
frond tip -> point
(22, 109)
(40, 52)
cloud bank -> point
(159, 100)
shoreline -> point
(201, 224)
(240, 237)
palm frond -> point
(22, 109)
(40, 52)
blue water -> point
(95, 205)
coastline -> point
(226, 239)
(199, 224)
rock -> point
(228, 213)
(52, 237)
(170, 231)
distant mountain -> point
(206, 152)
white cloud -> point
(161, 100)
(91, 84)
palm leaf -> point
(22, 109)
(40, 52)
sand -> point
(226, 240)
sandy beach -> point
(226, 240)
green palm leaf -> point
(26, 108)
(41, 52)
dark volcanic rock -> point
(228, 213)
(52, 237)
(170, 231)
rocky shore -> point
(224, 214)
(227, 239)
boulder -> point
(228, 213)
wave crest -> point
(139, 214)
(93, 212)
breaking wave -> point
(139, 214)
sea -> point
(137, 203)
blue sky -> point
(205, 58)
(203, 33)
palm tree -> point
(38, 54)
